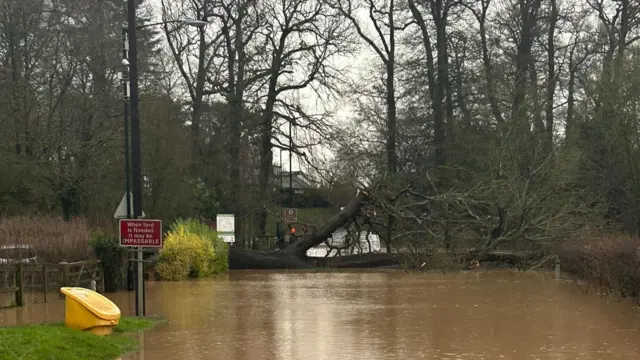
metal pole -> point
(281, 178)
(136, 168)
(280, 239)
(290, 167)
(135, 143)
(125, 98)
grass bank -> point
(57, 342)
(608, 263)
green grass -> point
(134, 324)
(57, 342)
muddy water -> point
(375, 315)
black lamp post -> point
(131, 93)
(135, 177)
(125, 97)
(136, 166)
(290, 167)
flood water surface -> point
(375, 315)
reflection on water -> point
(375, 315)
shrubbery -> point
(609, 263)
(192, 249)
(108, 250)
(53, 238)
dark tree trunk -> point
(551, 75)
(197, 105)
(434, 92)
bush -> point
(108, 250)
(191, 249)
(53, 238)
(220, 262)
(608, 263)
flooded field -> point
(374, 315)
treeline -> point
(473, 123)
(497, 124)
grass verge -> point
(57, 342)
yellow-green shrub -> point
(191, 251)
(220, 261)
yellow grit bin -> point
(88, 310)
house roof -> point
(298, 180)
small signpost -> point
(121, 210)
(226, 227)
(141, 233)
(290, 215)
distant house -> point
(299, 181)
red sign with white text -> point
(142, 233)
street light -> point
(125, 95)
(290, 167)
(131, 92)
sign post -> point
(123, 211)
(140, 234)
(290, 215)
(226, 227)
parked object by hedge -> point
(191, 249)
(108, 250)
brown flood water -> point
(375, 315)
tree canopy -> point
(468, 124)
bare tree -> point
(439, 85)
(300, 39)
(194, 53)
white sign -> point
(121, 211)
(225, 223)
(228, 238)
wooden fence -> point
(22, 279)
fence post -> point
(65, 277)
(19, 283)
(101, 272)
(45, 280)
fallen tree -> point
(254, 259)
(294, 255)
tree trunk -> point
(436, 100)
(236, 95)
(440, 111)
(571, 101)
(392, 157)
(551, 76)
(295, 256)
(197, 104)
(488, 69)
(528, 13)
